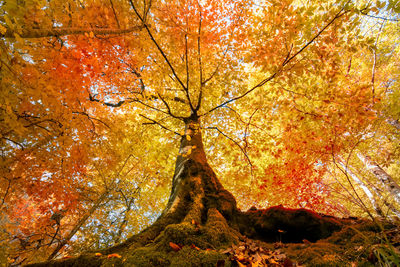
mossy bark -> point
(202, 217)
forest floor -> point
(358, 243)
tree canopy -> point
(298, 103)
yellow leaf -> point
(3, 29)
(273, 261)
(18, 38)
(91, 34)
(188, 137)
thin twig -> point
(236, 143)
(159, 124)
(115, 14)
(378, 17)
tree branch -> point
(378, 17)
(285, 62)
(159, 124)
(131, 100)
(157, 45)
(115, 14)
(199, 59)
(236, 143)
(57, 32)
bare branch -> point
(187, 73)
(374, 63)
(7, 191)
(216, 68)
(132, 100)
(168, 108)
(246, 129)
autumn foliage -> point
(298, 102)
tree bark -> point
(364, 187)
(390, 184)
(57, 32)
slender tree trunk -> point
(394, 123)
(78, 225)
(364, 187)
(390, 184)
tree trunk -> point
(78, 225)
(364, 187)
(390, 184)
(201, 217)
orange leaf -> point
(174, 246)
(194, 247)
(114, 255)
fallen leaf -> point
(174, 246)
(98, 254)
(66, 257)
(194, 247)
(114, 255)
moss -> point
(184, 234)
(113, 262)
(191, 257)
(147, 256)
(317, 254)
(88, 260)
(187, 256)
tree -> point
(266, 91)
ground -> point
(346, 242)
(202, 226)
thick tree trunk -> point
(201, 215)
(195, 185)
